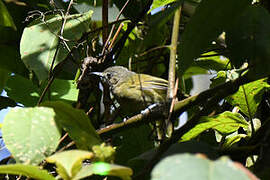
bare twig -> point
(116, 34)
(111, 32)
(51, 76)
(104, 20)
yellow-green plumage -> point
(134, 91)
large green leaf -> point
(76, 123)
(69, 163)
(5, 18)
(226, 123)
(191, 167)
(22, 90)
(207, 23)
(30, 134)
(249, 39)
(30, 171)
(38, 55)
(249, 96)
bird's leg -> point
(157, 109)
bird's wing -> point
(147, 82)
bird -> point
(134, 91)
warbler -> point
(134, 91)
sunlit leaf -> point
(30, 134)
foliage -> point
(60, 117)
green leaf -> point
(191, 167)
(249, 39)
(160, 3)
(36, 134)
(69, 163)
(254, 92)
(194, 70)
(10, 58)
(4, 75)
(5, 18)
(76, 123)
(209, 20)
(30, 171)
(230, 141)
(38, 55)
(216, 63)
(225, 123)
(105, 169)
(65, 90)
(22, 90)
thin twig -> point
(104, 20)
(51, 75)
(45, 90)
(116, 34)
(111, 32)
(150, 50)
(62, 138)
(67, 146)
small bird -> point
(134, 92)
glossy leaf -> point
(30, 134)
(76, 123)
(249, 96)
(38, 55)
(30, 171)
(225, 123)
(190, 167)
(69, 163)
(209, 20)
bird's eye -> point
(108, 76)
